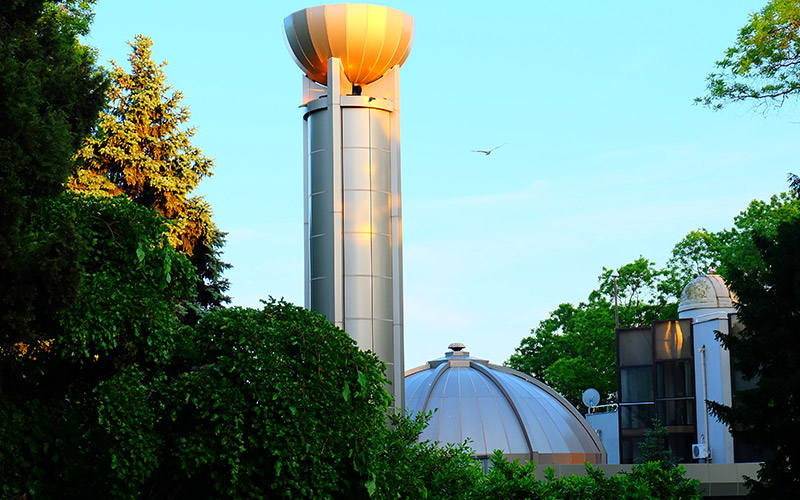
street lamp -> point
(615, 275)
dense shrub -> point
(652, 480)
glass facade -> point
(656, 380)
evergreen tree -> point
(768, 351)
(141, 150)
(655, 448)
(762, 265)
(50, 93)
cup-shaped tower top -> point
(368, 39)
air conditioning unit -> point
(700, 451)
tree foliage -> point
(651, 480)
(766, 351)
(764, 64)
(103, 392)
(794, 184)
(733, 247)
(642, 294)
(761, 265)
(142, 150)
(126, 401)
(696, 253)
(123, 317)
(50, 93)
(408, 468)
(275, 401)
(575, 348)
(655, 447)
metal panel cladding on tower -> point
(351, 56)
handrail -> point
(609, 408)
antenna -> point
(590, 397)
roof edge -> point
(561, 399)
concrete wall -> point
(718, 386)
(606, 425)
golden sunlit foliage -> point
(142, 150)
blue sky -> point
(606, 157)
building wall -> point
(606, 425)
(718, 386)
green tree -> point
(761, 262)
(654, 447)
(794, 184)
(645, 482)
(408, 468)
(766, 351)
(654, 480)
(764, 64)
(120, 399)
(274, 402)
(511, 480)
(701, 250)
(575, 348)
(642, 295)
(52, 397)
(142, 150)
(760, 217)
(50, 93)
(758, 258)
(571, 351)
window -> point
(656, 380)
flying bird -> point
(487, 152)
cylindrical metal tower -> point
(351, 54)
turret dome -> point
(706, 295)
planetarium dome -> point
(498, 408)
(706, 296)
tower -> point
(351, 55)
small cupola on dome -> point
(706, 297)
(498, 408)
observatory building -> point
(498, 408)
(671, 368)
(351, 55)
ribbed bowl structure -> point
(368, 39)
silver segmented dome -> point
(498, 408)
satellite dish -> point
(591, 397)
